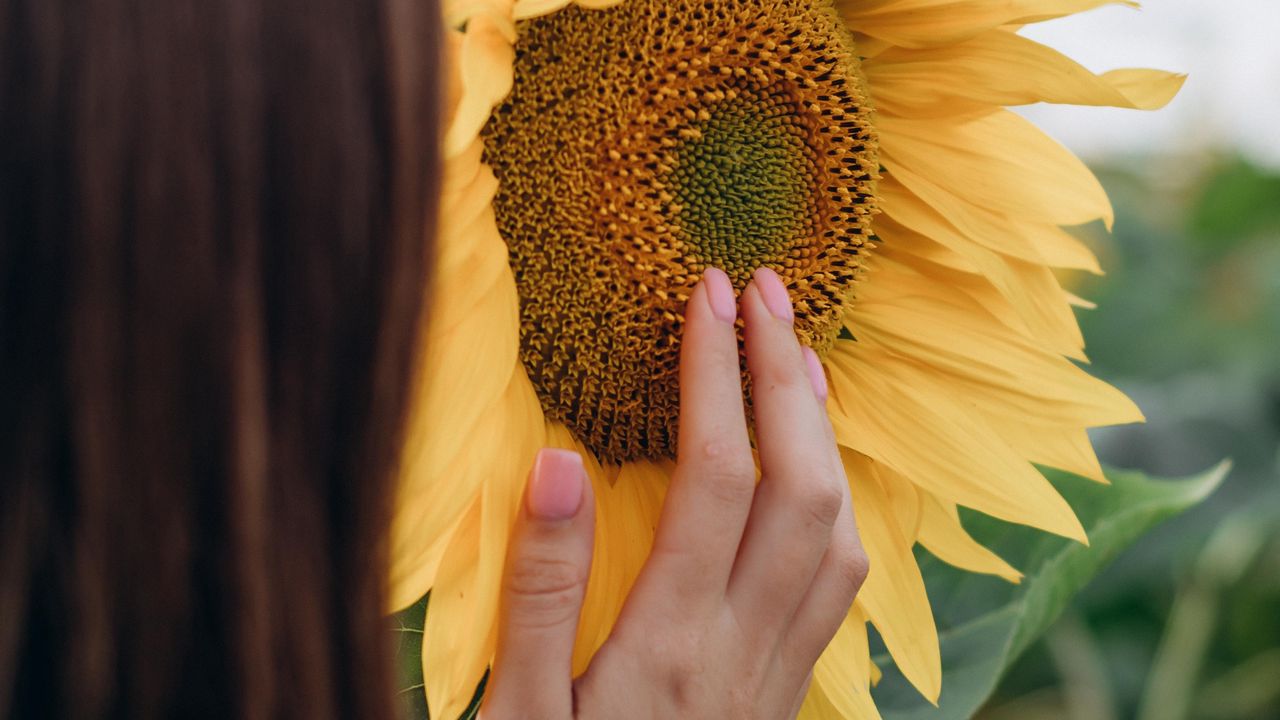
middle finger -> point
(800, 495)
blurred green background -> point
(1185, 624)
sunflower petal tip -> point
(1009, 574)
(1176, 82)
(1129, 413)
(1071, 529)
(934, 690)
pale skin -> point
(745, 585)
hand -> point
(745, 584)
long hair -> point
(215, 228)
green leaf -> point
(407, 627)
(984, 623)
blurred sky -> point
(1229, 48)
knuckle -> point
(852, 565)
(700, 679)
(685, 675)
(823, 499)
(681, 667)
(694, 686)
(544, 590)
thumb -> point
(548, 561)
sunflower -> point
(601, 154)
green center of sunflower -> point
(742, 185)
(644, 143)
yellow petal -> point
(1065, 448)
(628, 502)
(911, 422)
(1146, 89)
(954, 339)
(817, 706)
(913, 211)
(1038, 298)
(457, 420)
(1000, 68)
(999, 163)
(936, 263)
(1060, 249)
(869, 47)
(904, 499)
(458, 12)
(942, 534)
(988, 281)
(897, 239)
(483, 57)
(417, 568)
(450, 647)
(927, 23)
(1030, 297)
(893, 595)
(842, 674)
(1077, 301)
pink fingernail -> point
(774, 294)
(555, 485)
(816, 375)
(720, 295)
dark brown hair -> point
(215, 226)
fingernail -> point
(816, 375)
(720, 295)
(555, 486)
(774, 294)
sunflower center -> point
(644, 143)
(742, 185)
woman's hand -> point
(746, 583)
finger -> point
(800, 494)
(824, 607)
(548, 562)
(817, 378)
(844, 566)
(799, 701)
(711, 490)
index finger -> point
(711, 490)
